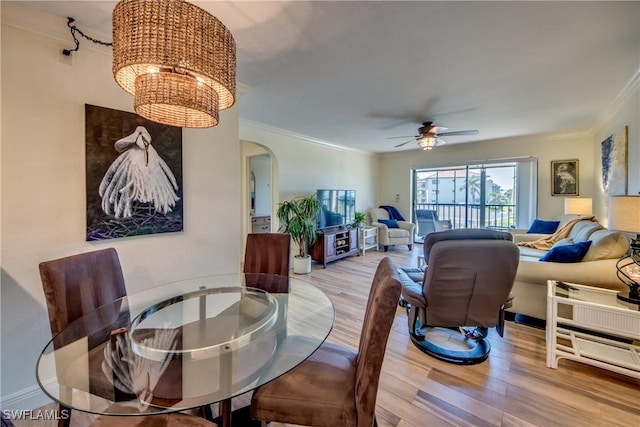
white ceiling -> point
(354, 73)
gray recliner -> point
(466, 284)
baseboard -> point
(29, 398)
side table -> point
(590, 325)
(368, 238)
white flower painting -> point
(134, 175)
(138, 175)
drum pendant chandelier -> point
(177, 60)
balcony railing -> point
(474, 215)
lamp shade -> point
(578, 206)
(177, 60)
(624, 213)
(427, 142)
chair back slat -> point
(78, 284)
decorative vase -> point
(302, 265)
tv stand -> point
(335, 243)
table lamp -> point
(578, 206)
(624, 215)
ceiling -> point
(355, 73)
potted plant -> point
(358, 219)
(298, 218)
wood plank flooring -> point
(512, 388)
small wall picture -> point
(133, 175)
(564, 177)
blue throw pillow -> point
(543, 227)
(567, 253)
(391, 223)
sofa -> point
(596, 268)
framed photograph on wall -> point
(564, 177)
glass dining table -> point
(185, 345)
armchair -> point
(467, 283)
(387, 236)
(428, 222)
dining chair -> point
(267, 253)
(77, 285)
(337, 386)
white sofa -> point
(597, 268)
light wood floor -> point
(512, 388)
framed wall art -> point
(615, 163)
(133, 175)
(564, 177)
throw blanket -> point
(546, 243)
(393, 212)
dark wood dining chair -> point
(77, 285)
(337, 386)
(267, 253)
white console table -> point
(582, 322)
(368, 237)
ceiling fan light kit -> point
(176, 59)
(429, 136)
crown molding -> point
(607, 114)
(305, 138)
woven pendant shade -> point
(176, 100)
(177, 60)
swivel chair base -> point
(449, 345)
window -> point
(500, 194)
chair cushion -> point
(296, 399)
(391, 223)
(567, 253)
(543, 227)
(606, 244)
(412, 289)
(398, 232)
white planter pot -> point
(302, 265)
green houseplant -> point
(358, 219)
(298, 218)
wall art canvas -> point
(615, 163)
(133, 175)
(564, 177)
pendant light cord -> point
(74, 30)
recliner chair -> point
(467, 283)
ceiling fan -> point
(429, 135)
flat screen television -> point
(337, 207)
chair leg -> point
(500, 324)
(64, 415)
(412, 318)
(410, 246)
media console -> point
(335, 243)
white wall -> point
(43, 190)
(625, 112)
(306, 166)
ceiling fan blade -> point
(406, 136)
(458, 132)
(404, 143)
(439, 142)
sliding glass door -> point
(470, 196)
